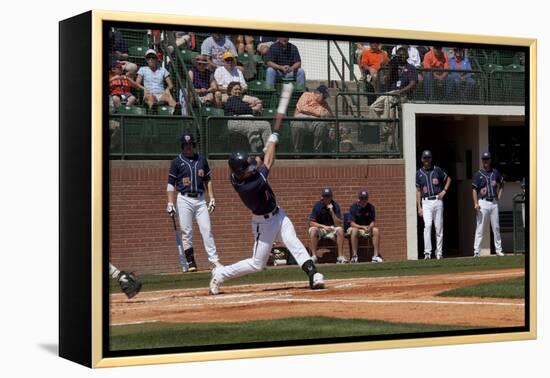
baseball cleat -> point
(377, 259)
(129, 284)
(476, 254)
(214, 287)
(500, 254)
(341, 260)
(427, 256)
(318, 282)
(354, 259)
(439, 256)
(192, 266)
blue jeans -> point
(272, 75)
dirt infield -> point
(408, 299)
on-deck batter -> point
(269, 221)
(190, 176)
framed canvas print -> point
(232, 188)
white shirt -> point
(153, 81)
(223, 77)
(414, 56)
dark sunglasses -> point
(229, 60)
(151, 57)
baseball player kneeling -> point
(325, 222)
(362, 218)
(269, 221)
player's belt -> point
(489, 199)
(192, 194)
(273, 213)
(431, 198)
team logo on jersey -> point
(200, 173)
(425, 189)
(186, 181)
(483, 191)
(435, 181)
(493, 183)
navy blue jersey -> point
(189, 175)
(363, 216)
(321, 214)
(486, 182)
(430, 181)
(255, 192)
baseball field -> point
(359, 300)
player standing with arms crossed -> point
(269, 221)
(486, 191)
(429, 201)
(190, 175)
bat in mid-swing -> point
(179, 244)
(283, 105)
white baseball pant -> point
(432, 212)
(266, 231)
(189, 207)
(488, 212)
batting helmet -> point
(240, 163)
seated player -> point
(325, 222)
(362, 225)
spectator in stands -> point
(214, 47)
(257, 132)
(154, 79)
(372, 59)
(119, 54)
(401, 81)
(362, 225)
(311, 105)
(325, 222)
(203, 80)
(435, 59)
(414, 55)
(227, 74)
(460, 84)
(263, 44)
(245, 43)
(284, 61)
(120, 87)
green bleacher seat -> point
(208, 111)
(188, 55)
(264, 92)
(515, 67)
(134, 110)
(270, 112)
(492, 67)
(165, 110)
(135, 37)
(244, 58)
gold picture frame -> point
(82, 266)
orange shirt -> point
(374, 59)
(307, 104)
(432, 61)
(119, 85)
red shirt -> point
(119, 85)
(433, 61)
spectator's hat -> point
(363, 195)
(117, 65)
(426, 154)
(323, 89)
(187, 139)
(201, 59)
(326, 192)
(486, 156)
(228, 55)
(150, 52)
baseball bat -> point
(283, 105)
(179, 244)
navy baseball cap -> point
(187, 138)
(326, 192)
(426, 154)
(363, 194)
(323, 89)
(485, 156)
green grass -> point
(512, 288)
(294, 273)
(160, 335)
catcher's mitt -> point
(129, 284)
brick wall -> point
(142, 237)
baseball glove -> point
(129, 284)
